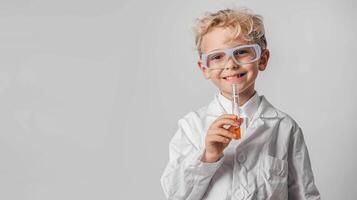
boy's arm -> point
(186, 176)
(301, 184)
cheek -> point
(216, 78)
(253, 72)
(215, 74)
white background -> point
(91, 91)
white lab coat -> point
(272, 162)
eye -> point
(240, 52)
(215, 57)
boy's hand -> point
(218, 137)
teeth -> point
(238, 75)
(231, 77)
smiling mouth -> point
(237, 76)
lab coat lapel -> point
(214, 110)
(265, 118)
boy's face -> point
(219, 39)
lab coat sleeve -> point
(301, 184)
(186, 176)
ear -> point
(205, 71)
(263, 63)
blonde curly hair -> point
(244, 24)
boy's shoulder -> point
(193, 123)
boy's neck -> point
(243, 97)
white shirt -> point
(270, 162)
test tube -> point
(235, 108)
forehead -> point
(219, 38)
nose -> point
(230, 64)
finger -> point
(221, 122)
(231, 128)
(240, 121)
(217, 138)
(222, 132)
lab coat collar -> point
(265, 109)
(247, 110)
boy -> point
(207, 161)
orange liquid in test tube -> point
(235, 108)
(237, 133)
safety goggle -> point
(241, 55)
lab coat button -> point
(241, 158)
